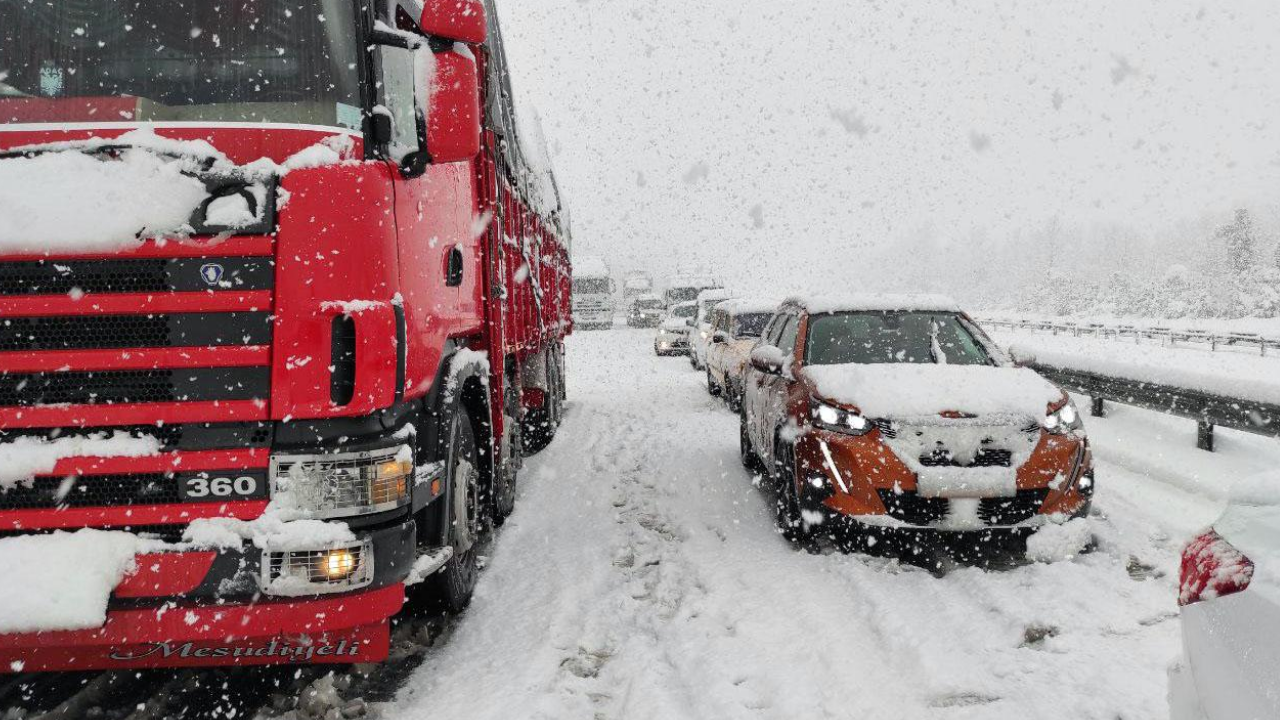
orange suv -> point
(897, 413)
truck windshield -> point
(892, 337)
(273, 61)
(591, 286)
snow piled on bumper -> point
(62, 581)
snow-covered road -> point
(641, 577)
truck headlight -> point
(345, 484)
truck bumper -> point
(202, 608)
(352, 628)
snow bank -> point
(62, 581)
(862, 302)
(1057, 542)
(1251, 523)
(1221, 373)
(25, 457)
(904, 390)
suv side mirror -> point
(453, 120)
(767, 359)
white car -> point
(700, 337)
(1230, 597)
(673, 331)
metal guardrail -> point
(1207, 409)
(1164, 336)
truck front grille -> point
(134, 386)
(118, 490)
(135, 275)
(104, 332)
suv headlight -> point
(1064, 420)
(830, 417)
(344, 484)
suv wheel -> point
(787, 505)
(712, 387)
(746, 453)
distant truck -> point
(685, 288)
(593, 289)
(636, 286)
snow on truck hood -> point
(67, 197)
(906, 390)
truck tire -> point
(507, 467)
(453, 586)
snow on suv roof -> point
(873, 302)
(749, 305)
(714, 294)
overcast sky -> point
(733, 131)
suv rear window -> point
(892, 337)
(750, 325)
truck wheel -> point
(507, 468)
(712, 387)
(453, 585)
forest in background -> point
(1214, 267)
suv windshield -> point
(275, 61)
(750, 325)
(684, 311)
(892, 337)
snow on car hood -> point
(905, 390)
(675, 325)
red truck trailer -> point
(314, 390)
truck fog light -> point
(339, 564)
(817, 482)
(316, 571)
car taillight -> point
(1211, 568)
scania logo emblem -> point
(211, 273)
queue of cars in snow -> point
(895, 415)
(897, 418)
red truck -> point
(333, 365)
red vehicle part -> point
(1211, 568)
(343, 330)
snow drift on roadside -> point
(902, 390)
(62, 581)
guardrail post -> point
(1204, 436)
(1097, 407)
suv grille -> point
(986, 457)
(913, 509)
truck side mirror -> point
(453, 118)
(461, 20)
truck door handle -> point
(453, 268)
